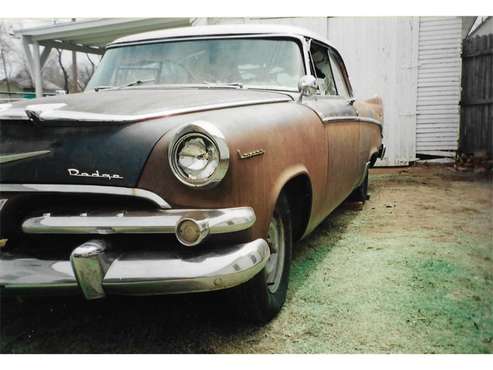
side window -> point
(323, 70)
(338, 77)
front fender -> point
(292, 140)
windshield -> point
(254, 62)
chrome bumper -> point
(93, 273)
(218, 221)
(381, 152)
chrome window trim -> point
(85, 189)
(7, 158)
(301, 39)
(218, 30)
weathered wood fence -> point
(476, 127)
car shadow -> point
(310, 251)
(194, 323)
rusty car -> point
(193, 161)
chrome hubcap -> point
(275, 263)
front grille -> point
(20, 206)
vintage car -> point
(193, 161)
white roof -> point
(215, 30)
(93, 35)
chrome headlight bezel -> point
(215, 136)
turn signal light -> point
(190, 232)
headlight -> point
(198, 155)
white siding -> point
(439, 84)
(381, 57)
(413, 63)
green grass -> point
(412, 272)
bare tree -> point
(53, 70)
(93, 66)
(14, 56)
(64, 71)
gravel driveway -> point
(410, 271)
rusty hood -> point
(100, 138)
(132, 105)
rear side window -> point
(338, 77)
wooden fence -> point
(476, 127)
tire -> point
(260, 299)
(360, 194)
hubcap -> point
(275, 263)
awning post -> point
(38, 83)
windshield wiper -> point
(103, 87)
(208, 84)
(130, 84)
(138, 82)
(234, 85)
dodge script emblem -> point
(76, 172)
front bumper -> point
(95, 268)
(92, 272)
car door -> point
(335, 107)
(344, 90)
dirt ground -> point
(409, 272)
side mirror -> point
(307, 85)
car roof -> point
(220, 30)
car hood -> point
(101, 138)
(133, 105)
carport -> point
(89, 36)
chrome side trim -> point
(219, 221)
(85, 189)
(67, 115)
(6, 158)
(352, 118)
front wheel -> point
(261, 298)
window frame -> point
(312, 65)
(333, 57)
(298, 39)
(337, 58)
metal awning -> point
(89, 36)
